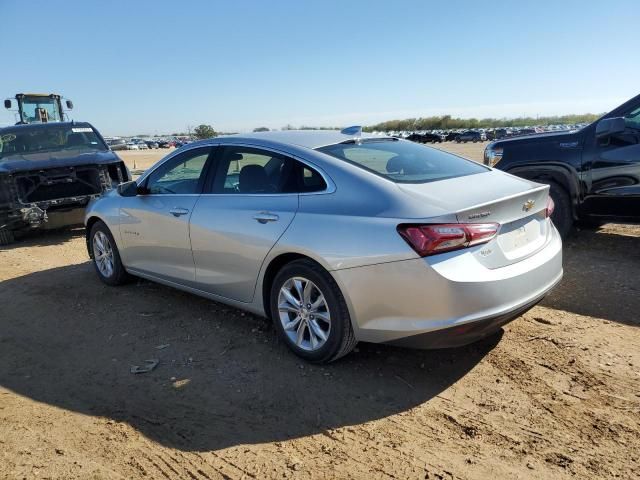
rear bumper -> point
(463, 334)
(425, 301)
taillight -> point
(550, 207)
(432, 239)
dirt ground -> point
(555, 395)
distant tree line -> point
(204, 131)
(446, 122)
(443, 122)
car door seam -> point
(255, 285)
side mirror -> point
(69, 104)
(7, 103)
(128, 189)
(610, 126)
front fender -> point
(107, 209)
(560, 173)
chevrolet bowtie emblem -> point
(528, 205)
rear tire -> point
(303, 326)
(105, 255)
(562, 216)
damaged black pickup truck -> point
(49, 172)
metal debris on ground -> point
(147, 367)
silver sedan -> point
(335, 236)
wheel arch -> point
(89, 223)
(273, 266)
(560, 174)
(272, 269)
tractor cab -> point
(38, 107)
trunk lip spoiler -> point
(508, 197)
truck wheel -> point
(6, 237)
(562, 216)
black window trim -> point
(214, 171)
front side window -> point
(181, 175)
(403, 161)
(245, 170)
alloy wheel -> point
(103, 254)
(304, 313)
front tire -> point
(310, 313)
(105, 255)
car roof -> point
(303, 138)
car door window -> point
(181, 175)
(245, 170)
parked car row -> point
(477, 135)
(116, 143)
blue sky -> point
(158, 66)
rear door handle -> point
(264, 217)
(177, 211)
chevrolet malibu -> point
(335, 236)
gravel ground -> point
(554, 395)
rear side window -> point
(403, 161)
(246, 170)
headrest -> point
(253, 179)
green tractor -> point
(39, 107)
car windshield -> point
(48, 138)
(403, 161)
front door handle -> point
(177, 211)
(264, 217)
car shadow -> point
(38, 237)
(601, 277)
(223, 379)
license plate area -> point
(522, 237)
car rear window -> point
(402, 161)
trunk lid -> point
(518, 205)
